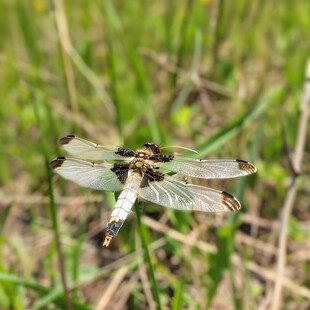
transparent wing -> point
(95, 176)
(180, 195)
(84, 149)
(209, 169)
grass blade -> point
(177, 298)
(235, 126)
(58, 299)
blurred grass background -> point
(222, 77)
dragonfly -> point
(136, 175)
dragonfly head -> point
(149, 149)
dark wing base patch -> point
(161, 158)
(121, 170)
(125, 152)
(150, 176)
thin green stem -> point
(219, 33)
(147, 257)
(52, 206)
(182, 37)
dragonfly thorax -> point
(139, 164)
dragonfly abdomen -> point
(123, 206)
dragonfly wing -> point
(179, 195)
(209, 169)
(84, 149)
(104, 176)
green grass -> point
(132, 78)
